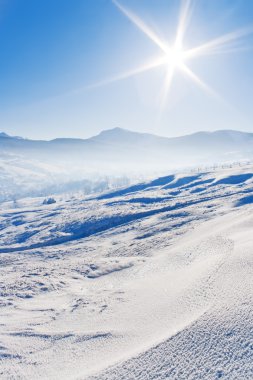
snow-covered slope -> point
(152, 281)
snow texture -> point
(153, 281)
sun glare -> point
(174, 57)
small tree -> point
(49, 201)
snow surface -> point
(153, 281)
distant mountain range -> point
(126, 150)
(109, 160)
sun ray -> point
(219, 44)
(184, 18)
(238, 49)
(142, 26)
(167, 86)
(185, 69)
(128, 74)
(148, 66)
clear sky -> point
(53, 53)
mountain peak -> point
(114, 131)
(6, 136)
(115, 134)
(3, 134)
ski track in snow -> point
(149, 282)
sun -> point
(174, 57)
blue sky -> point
(53, 51)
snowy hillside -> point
(151, 281)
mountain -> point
(109, 160)
(126, 150)
(3, 135)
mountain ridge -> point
(124, 150)
(118, 131)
